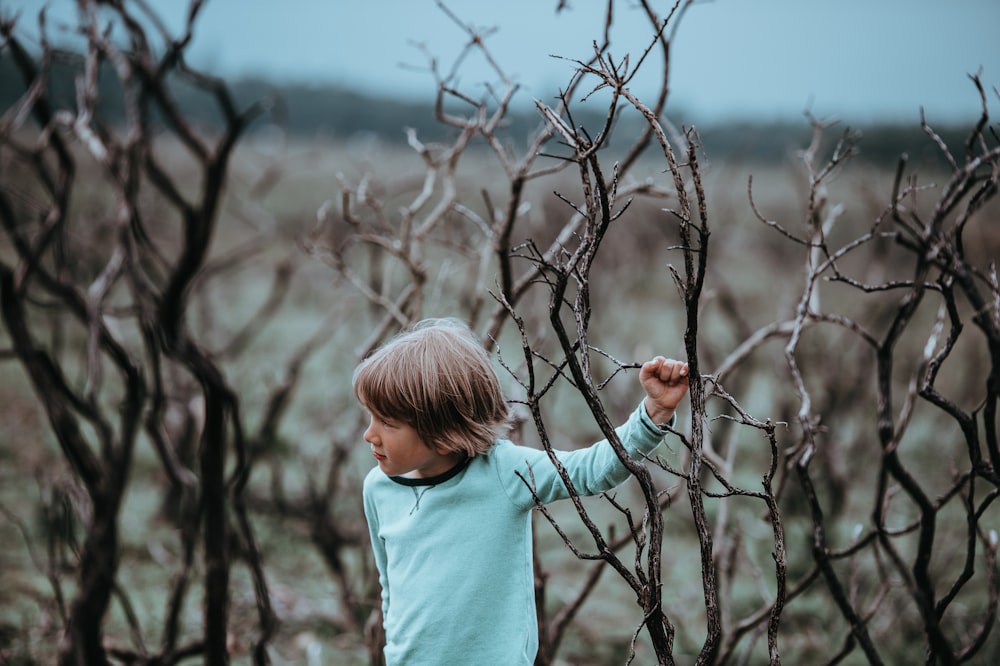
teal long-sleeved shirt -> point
(454, 552)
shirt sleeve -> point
(592, 470)
(378, 545)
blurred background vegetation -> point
(318, 112)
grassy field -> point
(755, 278)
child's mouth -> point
(378, 456)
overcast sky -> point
(858, 60)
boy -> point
(448, 513)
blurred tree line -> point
(342, 113)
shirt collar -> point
(432, 480)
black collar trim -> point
(432, 480)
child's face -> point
(401, 452)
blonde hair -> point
(436, 378)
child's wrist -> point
(661, 416)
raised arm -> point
(597, 468)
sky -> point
(854, 60)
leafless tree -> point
(97, 303)
(396, 273)
(796, 438)
(862, 494)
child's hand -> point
(666, 383)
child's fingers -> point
(652, 368)
(673, 372)
(669, 371)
